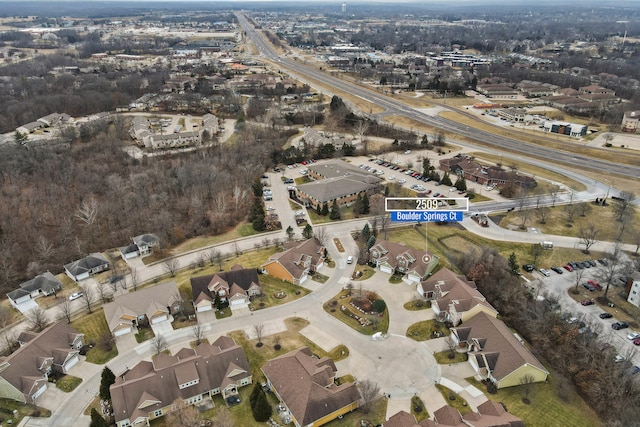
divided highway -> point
(395, 107)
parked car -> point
(592, 263)
(619, 358)
(402, 181)
(587, 302)
(76, 295)
(588, 287)
(603, 262)
(633, 335)
(620, 325)
(557, 270)
(545, 273)
(595, 284)
(637, 341)
(605, 315)
(568, 268)
(634, 370)
(528, 267)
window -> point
(157, 413)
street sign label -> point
(426, 216)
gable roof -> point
(305, 384)
(148, 239)
(501, 352)
(492, 414)
(46, 282)
(297, 255)
(85, 264)
(405, 419)
(242, 278)
(392, 252)
(451, 288)
(329, 189)
(147, 301)
(27, 366)
(149, 386)
(449, 417)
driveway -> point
(163, 328)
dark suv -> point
(620, 325)
(528, 268)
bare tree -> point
(608, 272)
(369, 391)
(259, 330)
(87, 211)
(185, 415)
(570, 211)
(451, 345)
(543, 213)
(43, 249)
(197, 332)
(212, 255)
(524, 217)
(66, 310)
(158, 343)
(588, 236)
(134, 278)
(526, 381)
(102, 292)
(553, 193)
(37, 319)
(361, 128)
(171, 266)
(321, 235)
(577, 277)
(623, 202)
(88, 296)
(5, 321)
(222, 418)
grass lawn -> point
(345, 213)
(183, 322)
(556, 223)
(289, 340)
(546, 407)
(418, 410)
(321, 278)
(68, 383)
(458, 402)
(442, 357)
(422, 331)
(93, 326)
(276, 292)
(416, 305)
(395, 279)
(144, 334)
(23, 410)
(225, 312)
(367, 272)
(374, 323)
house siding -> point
(513, 379)
(276, 270)
(466, 315)
(332, 416)
(10, 392)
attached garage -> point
(238, 302)
(71, 362)
(40, 391)
(386, 269)
(124, 329)
(159, 318)
(204, 306)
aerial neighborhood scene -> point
(367, 214)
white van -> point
(349, 259)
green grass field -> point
(93, 326)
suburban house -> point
(43, 284)
(495, 353)
(633, 289)
(454, 296)
(235, 286)
(154, 305)
(152, 389)
(86, 267)
(296, 262)
(142, 245)
(338, 181)
(490, 414)
(486, 175)
(305, 386)
(24, 374)
(391, 258)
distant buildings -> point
(630, 121)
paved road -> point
(393, 106)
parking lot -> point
(584, 310)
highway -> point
(398, 108)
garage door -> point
(122, 331)
(40, 391)
(71, 363)
(238, 302)
(386, 269)
(204, 308)
(159, 319)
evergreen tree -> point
(426, 166)
(307, 232)
(325, 209)
(254, 394)
(371, 242)
(461, 183)
(513, 263)
(366, 232)
(258, 223)
(290, 233)
(335, 211)
(357, 207)
(424, 141)
(336, 103)
(261, 409)
(435, 176)
(365, 204)
(106, 380)
(446, 180)
(97, 420)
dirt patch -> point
(338, 244)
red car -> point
(587, 302)
(595, 284)
(568, 268)
(637, 341)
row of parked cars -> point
(410, 172)
(570, 266)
